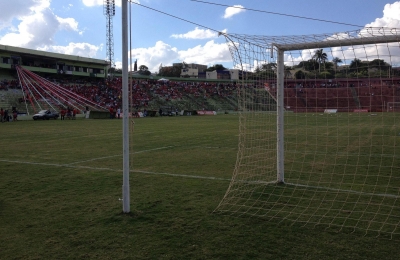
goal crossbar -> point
(337, 43)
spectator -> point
(74, 111)
(15, 115)
(62, 113)
(5, 116)
(69, 113)
(111, 112)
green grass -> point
(60, 184)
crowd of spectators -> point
(108, 93)
(6, 84)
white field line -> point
(144, 151)
(120, 155)
(116, 170)
(114, 134)
(182, 175)
(348, 191)
(320, 188)
(199, 177)
(69, 138)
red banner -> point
(360, 111)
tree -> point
(269, 66)
(325, 75)
(329, 66)
(336, 61)
(320, 56)
(356, 65)
(308, 65)
(177, 70)
(263, 71)
(165, 72)
(144, 70)
(216, 67)
(171, 71)
(379, 64)
(300, 74)
(288, 73)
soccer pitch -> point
(60, 185)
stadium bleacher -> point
(151, 94)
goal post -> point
(393, 107)
(316, 144)
(280, 117)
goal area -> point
(317, 144)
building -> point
(191, 70)
(232, 74)
(235, 74)
(189, 73)
(198, 71)
(50, 63)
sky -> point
(78, 27)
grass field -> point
(60, 184)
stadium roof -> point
(44, 54)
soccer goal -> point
(393, 107)
(298, 162)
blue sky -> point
(78, 27)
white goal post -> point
(393, 107)
(300, 164)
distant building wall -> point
(223, 74)
(199, 67)
(212, 75)
(234, 74)
(189, 72)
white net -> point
(340, 164)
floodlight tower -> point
(109, 12)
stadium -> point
(86, 77)
(292, 154)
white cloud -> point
(91, 3)
(198, 34)
(78, 49)
(231, 11)
(152, 57)
(33, 30)
(391, 17)
(38, 26)
(19, 8)
(67, 24)
(118, 64)
(38, 29)
(209, 54)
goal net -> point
(316, 143)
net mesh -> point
(341, 143)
